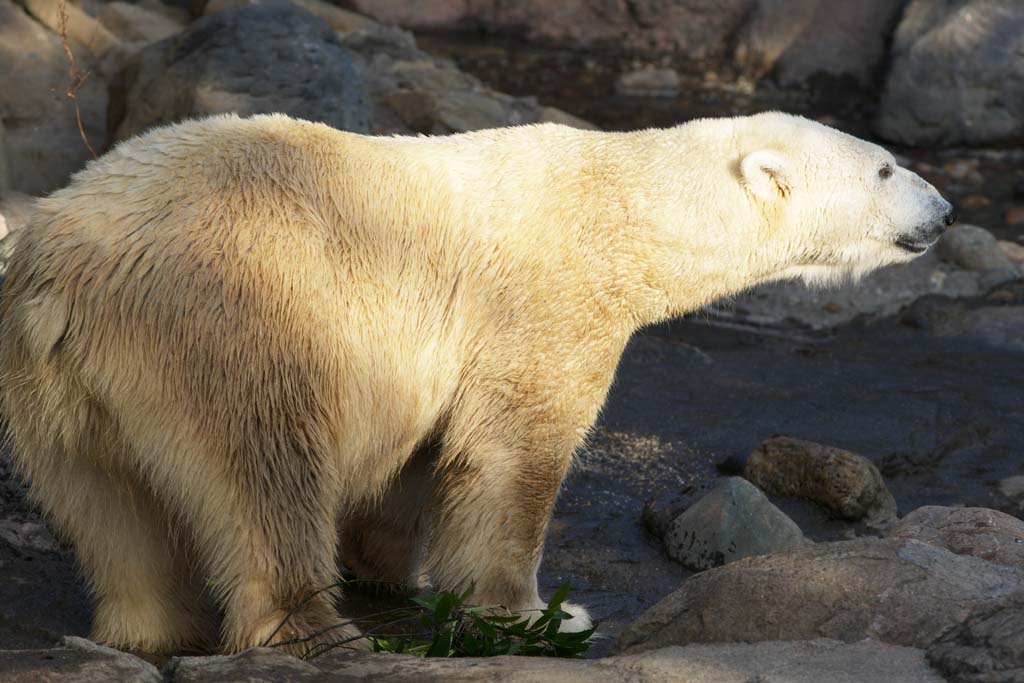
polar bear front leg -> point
(490, 518)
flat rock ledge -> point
(899, 591)
(811, 661)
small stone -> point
(989, 534)
(832, 307)
(975, 201)
(648, 82)
(1014, 251)
(974, 248)
(735, 520)
(28, 535)
(965, 170)
(1015, 215)
(1001, 296)
(845, 483)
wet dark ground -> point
(942, 416)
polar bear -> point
(238, 351)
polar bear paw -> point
(580, 621)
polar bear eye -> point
(885, 172)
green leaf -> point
(442, 645)
(560, 595)
(444, 607)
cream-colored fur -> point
(230, 343)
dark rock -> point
(247, 60)
(734, 521)
(955, 74)
(846, 483)
(1000, 326)
(1014, 215)
(899, 591)
(989, 534)
(77, 661)
(690, 27)
(795, 40)
(986, 648)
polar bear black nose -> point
(950, 217)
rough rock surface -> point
(956, 74)
(999, 322)
(811, 661)
(989, 534)
(414, 92)
(135, 23)
(847, 484)
(733, 521)
(42, 143)
(793, 39)
(77, 660)
(696, 28)
(881, 293)
(796, 40)
(248, 60)
(986, 648)
(898, 591)
(85, 31)
(973, 248)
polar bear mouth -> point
(911, 246)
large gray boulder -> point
(796, 39)
(898, 591)
(956, 74)
(247, 60)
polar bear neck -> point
(639, 223)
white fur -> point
(229, 342)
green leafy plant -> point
(453, 630)
(441, 625)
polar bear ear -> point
(767, 174)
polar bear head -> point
(838, 206)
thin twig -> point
(412, 613)
(76, 77)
